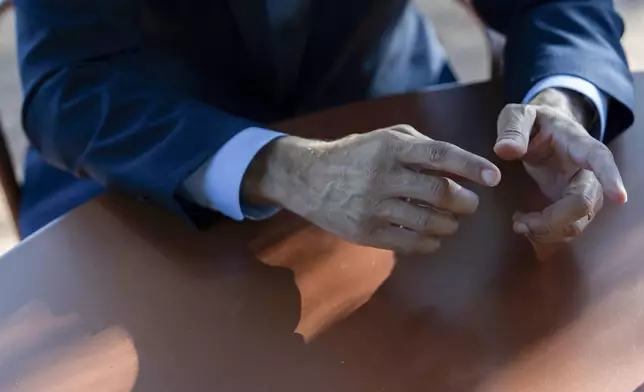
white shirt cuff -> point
(582, 86)
(217, 183)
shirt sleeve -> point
(579, 85)
(216, 184)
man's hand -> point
(378, 189)
(571, 167)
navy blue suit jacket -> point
(136, 94)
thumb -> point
(514, 127)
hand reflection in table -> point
(423, 316)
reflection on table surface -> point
(121, 296)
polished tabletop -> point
(121, 296)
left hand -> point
(570, 166)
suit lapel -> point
(377, 19)
(290, 27)
(274, 32)
(252, 21)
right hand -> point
(374, 189)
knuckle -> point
(467, 166)
(603, 150)
(423, 221)
(353, 137)
(560, 121)
(436, 151)
(380, 132)
(439, 187)
(596, 150)
(514, 118)
(540, 238)
(387, 136)
(404, 128)
(599, 205)
(548, 110)
(510, 109)
(574, 230)
(541, 231)
(586, 203)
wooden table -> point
(118, 296)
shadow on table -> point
(219, 318)
(446, 321)
(168, 325)
(452, 333)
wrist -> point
(278, 171)
(572, 103)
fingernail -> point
(490, 177)
(618, 194)
(509, 149)
(520, 228)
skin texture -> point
(374, 189)
(381, 189)
(572, 168)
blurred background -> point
(462, 38)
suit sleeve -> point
(579, 38)
(96, 102)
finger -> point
(559, 235)
(593, 155)
(563, 218)
(439, 192)
(514, 126)
(415, 218)
(446, 157)
(567, 217)
(403, 241)
(585, 151)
